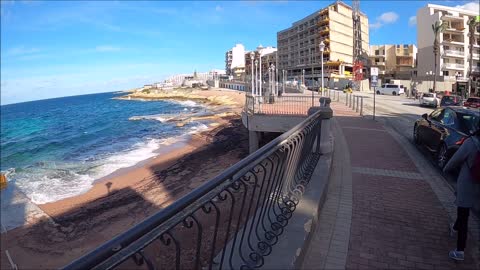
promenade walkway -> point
(383, 210)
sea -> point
(56, 148)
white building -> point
(235, 59)
(453, 57)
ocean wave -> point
(47, 182)
(161, 117)
(188, 103)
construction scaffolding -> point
(357, 46)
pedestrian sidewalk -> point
(381, 212)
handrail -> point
(273, 178)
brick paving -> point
(397, 221)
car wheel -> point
(378, 92)
(394, 93)
(442, 156)
(416, 137)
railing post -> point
(361, 107)
(346, 99)
(358, 99)
(351, 97)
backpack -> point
(475, 166)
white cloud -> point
(472, 6)
(21, 51)
(388, 17)
(218, 8)
(412, 21)
(385, 18)
(375, 25)
(107, 48)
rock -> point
(185, 172)
(66, 229)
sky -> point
(54, 48)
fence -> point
(232, 221)
(281, 105)
(351, 100)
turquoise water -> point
(56, 148)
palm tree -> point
(472, 24)
(438, 27)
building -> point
(394, 61)
(235, 61)
(453, 57)
(298, 45)
(269, 57)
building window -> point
(377, 52)
(445, 73)
(405, 46)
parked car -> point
(445, 129)
(390, 89)
(429, 99)
(451, 101)
(472, 102)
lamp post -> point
(261, 79)
(321, 46)
(252, 57)
(256, 74)
(303, 80)
(272, 80)
(311, 62)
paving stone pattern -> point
(397, 220)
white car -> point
(429, 99)
(390, 89)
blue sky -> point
(52, 48)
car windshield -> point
(468, 123)
(473, 100)
(449, 98)
(427, 95)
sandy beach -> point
(128, 196)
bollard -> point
(361, 107)
(346, 99)
(353, 102)
(351, 97)
(358, 99)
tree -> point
(438, 27)
(472, 24)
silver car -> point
(429, 99)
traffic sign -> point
(374, 71)
(374, 81)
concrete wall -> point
(425, 38)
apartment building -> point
(298, 45)
(394, 61)
(235, 61)
(453, 58)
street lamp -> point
(311, 62)
(256, 74)
(272, 80)
(303, 80)
(252, 57)
(321, 46)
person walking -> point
(466, 158)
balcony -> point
(455, 29)
(453, 41)
(476, 56)
(451, 17)
(453, 53)
(380, 63)
(453, 66)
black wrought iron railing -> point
(231, 222)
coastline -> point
(129, 195)
(132, 176)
